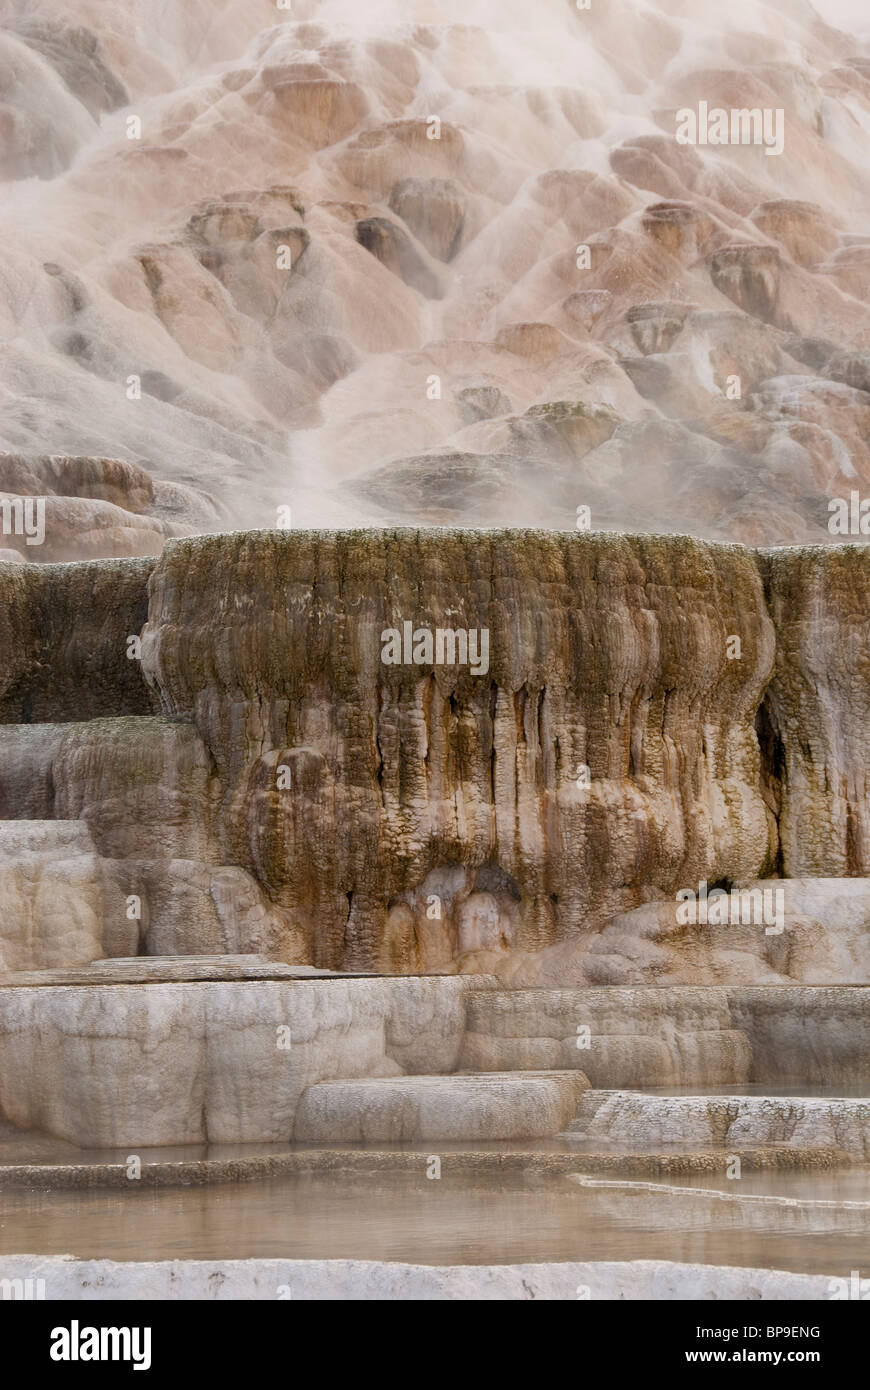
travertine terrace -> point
(434, 649)
(611, 754)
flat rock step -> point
(633, 1119)
(462, 1106)
(143, 970)
(716, 1056)
(677, 1035)
(23, 1164)
(619, 1037)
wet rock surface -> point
(648, 714)
(458, 786)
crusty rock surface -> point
(652, 712)
(329, 211)
(624, 1117)
(86, 1059)
(64, 633)
(672, 1036)
(468, 1107)
(52, 890)
(815, 711)
(410, 783)
(777, 931)
(92, 508)
(227, 1061)
(69, 1278)
(615, 1037)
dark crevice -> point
(379, 768)
(430, 690)
(633, 770)
(773, 776)
(520, 697)
(722, 885)
(492, 878)
(854, 858)
(349, 896)
(493, 701)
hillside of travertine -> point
(327, 263)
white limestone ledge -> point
(371, 1281)
(740, 1121)
(211, 1061)
(497, 1105)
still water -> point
(455, 1221)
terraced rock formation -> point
(545, 850)
(217, 746)
(260, 1056)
